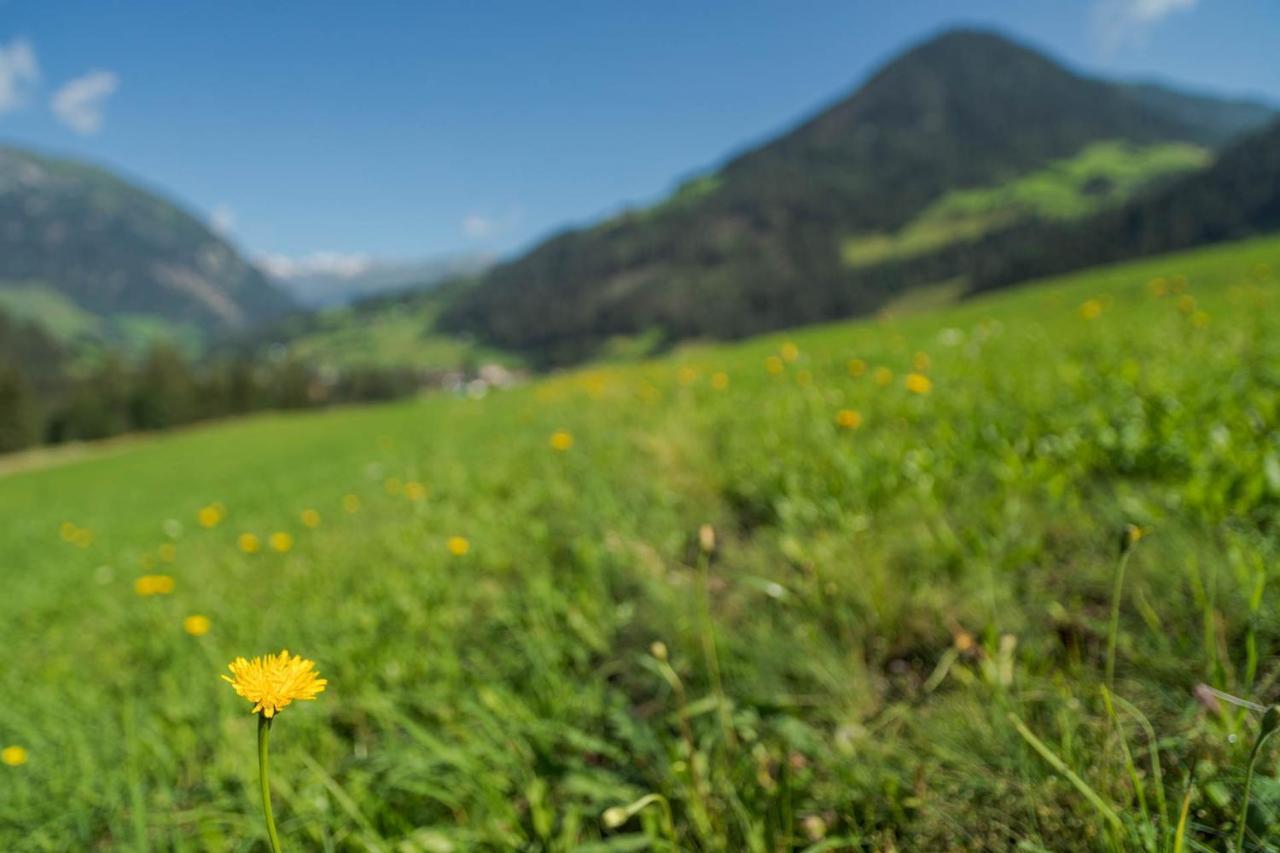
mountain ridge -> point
(754, 245)
(114, 246)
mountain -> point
(764, 241)
(323, 284)
(1237, 197)
(104, 254)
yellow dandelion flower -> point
(720, 381)
(1186, 305)
(686, 375)
(882, 376)
(83, 538)
(804, 378)
(1091, 309)
(921, 361)
(848, 419)
(280, 541)
(414, 491)
(167, 552)
(1200, 319)
(392, 485)
(789, 351)
(773, 364)
(458, 546)
(918, 383)
(351, 503)
(310, 518)
(148, 585)
(13, 756)
(67, 531)
(1158, 286)
(249, 543)
(196, 625)
(561, 440)
(209, 516)
(274, 681)
(857, 367)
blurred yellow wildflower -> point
(561, 440)
(1091, 309)
(773, 364)
(210, 515)
(882, 376)
(857, 367)
(918, 383)
(14, 756)
(707, 538)
(848, 419)
(167, 552)
(196, 625)
(414, 490)
(67, 531)
(1186, 304)
(804, 378)
(1200, 319)
(392, 485)
(280, 541)
(249, 543)
(148, 585)
(274, 681)
(351, 503)
(310, 518)
(921, 361)
(1158, 286)
(458, 546)
(83, 537)
(720, 381)
(686, 375)
(789, 351)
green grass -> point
(1103, 174)
(390, 335)
(909, 620)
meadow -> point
(849, 587)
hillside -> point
(101, 256)
(758, 243)
(893, 635)
(1237, 197)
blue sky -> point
(335, 131)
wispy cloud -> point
(1120, 22)
(477, 227)
(480, 226)
(222, 219)
(317, 263)
(79, 103)
(19, 73)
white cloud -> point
(19, 73)
(80, 101)
(1120, 22)
(222, 219)
(317, 263)
(477, 227)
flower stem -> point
(264, 733)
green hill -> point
(762, 242)
(898, 639)
(115, 259)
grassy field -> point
(898, 639)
